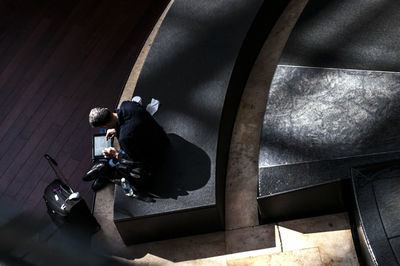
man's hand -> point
(110, 153)
(110, 133)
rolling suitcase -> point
(65, 207)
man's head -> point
(102, 117)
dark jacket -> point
(139, 135)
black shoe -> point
(99, 183)
(96, 171)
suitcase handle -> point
(56, 169)
(51, 160)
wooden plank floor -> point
(58, 59)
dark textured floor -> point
(58, 59)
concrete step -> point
(308, 256)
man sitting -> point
(141, 138)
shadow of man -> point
(186, 168)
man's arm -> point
(111, 133)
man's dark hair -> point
(99, 116)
